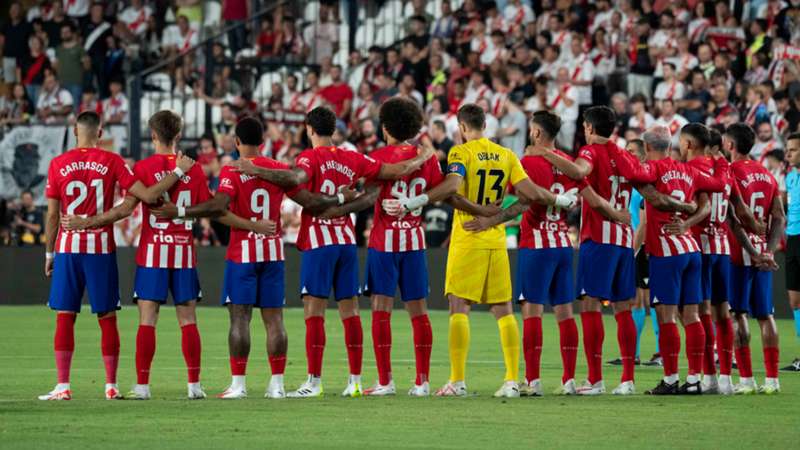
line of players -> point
(404, 179)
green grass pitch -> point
(480, 421)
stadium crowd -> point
(653, 62)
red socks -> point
(109, 346)
(382, 343)
(354, 341)
(709, 365)
(771, 355)
(626, 337)
(744, 362)
(568, 332)
(423, 342)
(145, 349)
(695, 344)
(669, 342)
(64, 345)
(192, 349)
(532, 346)
(277, 364)
(315, 344)
(238, 365)
(725, 345)
(593, 335)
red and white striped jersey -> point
(712, 233)
(757, 188)
(83, 180)
(402, 234)
(169, 243)
(328, 169)
(545, 226)
(606, 179)
(254, 199)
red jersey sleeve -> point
(367, 167)
(305, 162)
(227, 182)
(630, 167)
(705, 183)
(52, 189)
(434, 172)
(123, 173)
(587, 154)
(203, 192)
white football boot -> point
(420, 390)
(275, 388)
(353, 388)
(112, 392)
(770, 386)
(380, 390)
(746, 386)
(195, 391)
(710, 384)
(531, 388)
(724, 385)
(592, 389)
(625, 388)
(509, 389)
(312, 387)
(567, 388)
(139, 392)
(60, 392)
(453, 389)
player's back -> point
(488, 169)
(254, 199)
(757, 188)
(675, 179)
(329, 169)
(545, 226)
(393, 234)
(712, 232)
(83, 180)
(609, 184)
(169, 243)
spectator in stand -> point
(367, 140)
(720, 110)
(562, 100)
(445, 25)
(71, 61)
(695, 101)
(15, 34)
(313, 95)
(32, 67)
(235, 12)
(418, 34)
(774, 162)
(90, 101)
(16, 109)
(28, 222)
(385, 88)
(363, 105)
(442, 144)
(755, 107)
(640, 119)
(78, 10)
(338, 93)
(179, 38)
(340, 135)
(55, 104)
(54, 21)
(290, 43)
(513, 130)
(640, 78)
(95, 32)
(322, 35)
(133, 20)
(407, 89)
(765, 142)
(115, 107)
(267, 39)
(671, 120)
(671, 88)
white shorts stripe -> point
(705, 243)
(678, 245)
(415, 239)
(339, 235)
(189, 259)
(163, 256)
(402, 241)
(104, 242)
(351, 237)
(76, 243)
(606, 232)
(149, 260)
(62, 243)
(422, 238)
(179, 257)
(551, 239)
(618, 228)
(273, 252)
(326, 235)
(259, 245)
(388, 241)
(245, 251)
(312, 236)
(537, 239)
(279, 243)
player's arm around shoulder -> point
(152, 193)
(577, 169)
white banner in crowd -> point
(25, 154)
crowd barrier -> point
(22, 280)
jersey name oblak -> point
(254, 199)
(611, 185)
(758, 189)
(83, 180)
(545, 226)
(712, 232)
(169, 243)
(401, 234)
(328, 169)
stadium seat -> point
(173, 103)
(212, 14)
(365, 35)
(311, 11)
(391, 12)
(147, 107)
(264, 85)
(160, 80)
(194, 117)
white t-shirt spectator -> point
(135, 20)
(115, 105)
(674, 125)
(474, 94)
(321, 37)
(518, 15)
(491, 126)
(172, 38)
(55, 99)
(641, 125)
(76, 8)
(682, 63)
(484, 47)
(555, 101)
(580, 68)
(674, 90)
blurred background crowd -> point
(653, 62)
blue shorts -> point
(716, 278)
(751, 291)
(260, 284)
(333, 267)
(675, 280)
(154, 284)
(606, 272)
(544, 276)
(387, 270)
(74, 272)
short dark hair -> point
(401, 117)
(602, 119)
(167, 125)
(88, 119)
(472, 116)
(548, 122)
(640, 150)
(776, 154)
(698, 132)
(440, 125)
(793, 136)
(742, 136)
(250, 131)
(322, 120)
(714, 138)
